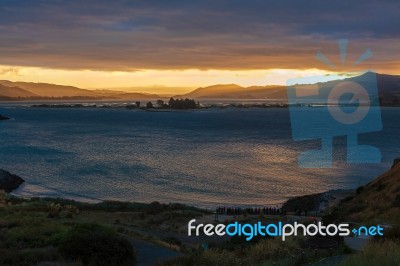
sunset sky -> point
(174, 46)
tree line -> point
(182, 104)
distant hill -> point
(48, 90)
(233, 91)
(388, 86)
(215, 90)
(15, 92)
(29, 90)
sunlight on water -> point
(204, 158)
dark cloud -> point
(255, 34)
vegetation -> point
(93, 244)
(30, 237)
(271, 250)
(149, 105)
(376, 202)
(383, 253)
(182, 104)
(65, 232)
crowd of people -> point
(256, 210)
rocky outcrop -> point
(2, 117)
(8, 181)
(303, 203)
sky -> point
(176, 45)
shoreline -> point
(320, 201)
(314, 203)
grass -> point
(25, 237)
(383, 252)
(270, 251)
(374, 203)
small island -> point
(174, 104)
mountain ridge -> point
(388, 85)
(10, 90)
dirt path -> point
(148, 254)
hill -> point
(214, 91)
(48, 90)
(233, 91)
(388, 86)
(16, 90)
(376, 202)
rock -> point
(2, 117)
(8, 181)
(306, 202)
(396, 161)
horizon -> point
(166, 91)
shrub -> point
(396, 201)
(96, 245)
(54, 210)
(23, 231)
(360, 189)
(391, 234)
(27, 257)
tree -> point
(182, 104)
(138, 104)
(160, 103)
(149, 105)
(171, 102)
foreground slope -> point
(376, 202)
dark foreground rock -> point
(8, 181)
(303, 203)
(395, 162)
(2, 117)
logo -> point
(279, 229)
(323, 107)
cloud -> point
(10, 71)
(255, 34)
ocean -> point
(206, 158)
